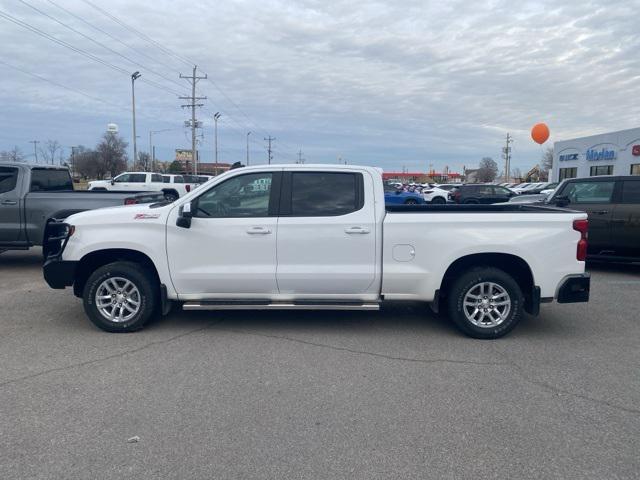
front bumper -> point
(574, 289)
(59, 273)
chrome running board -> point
(279, 306)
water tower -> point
(112, 128)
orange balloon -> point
(540, 133)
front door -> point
(326, 235)
(10, 220)
(594, 198)
(625, 223)
(230, 249)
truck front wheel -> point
(120, 297)
(485, 303)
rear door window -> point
(138, 177)
(8, 179)
(325, 194)
(589, 192)
(50, 180)
(156, 177)
(631, 192)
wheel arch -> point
(511, 264)
(170, 190)
(93, 260)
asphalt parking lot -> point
(394, 394)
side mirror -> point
(113, 182)
(562, 201)
(184, 216)
(397, 192)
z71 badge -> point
(146, 216)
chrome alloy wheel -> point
(487, 305)
(117, 299)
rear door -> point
(326, 234)
(625, 223)
(501, 194)
(10, 219)
(596, 199)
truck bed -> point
(473, 208)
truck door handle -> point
(258, 231)
(356, 230)
(9, 202)
(601, 212)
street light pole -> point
(248, 133)
(152, 147)
(215, 119)
(134, 77)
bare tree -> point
(49, 151)
(13, 155)
(516, 174)
(546, 164)
(144, 162)
(488, 170)
(86, 162)
(113, 154)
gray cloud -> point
(388, 83)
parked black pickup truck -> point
(32, 195)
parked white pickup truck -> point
(142, 181)
(318, 237)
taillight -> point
(130, 201)
(187, 187)
(582, 226)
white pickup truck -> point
(143, 181)
(318, 237)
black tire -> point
(141, 278)
(466, 283)
(471, 202)
(438, 201)
(170, 196)
(411, 201)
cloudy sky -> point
(394, 84)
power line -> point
(62, 43)
(252, 124)
(134, 62)
(79, 92)
(112, 37)
(140, 34)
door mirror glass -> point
(184, 216)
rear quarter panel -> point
(545, 241)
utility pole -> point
(193, 79)
(73, 160)
(506, 154)
(134, 77)
(269, 150)
(300, 159)
(215, 121)
(35, 150)
(248, 133)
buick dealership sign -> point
(568, 156)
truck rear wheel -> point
(485, 303)
(120, 297)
